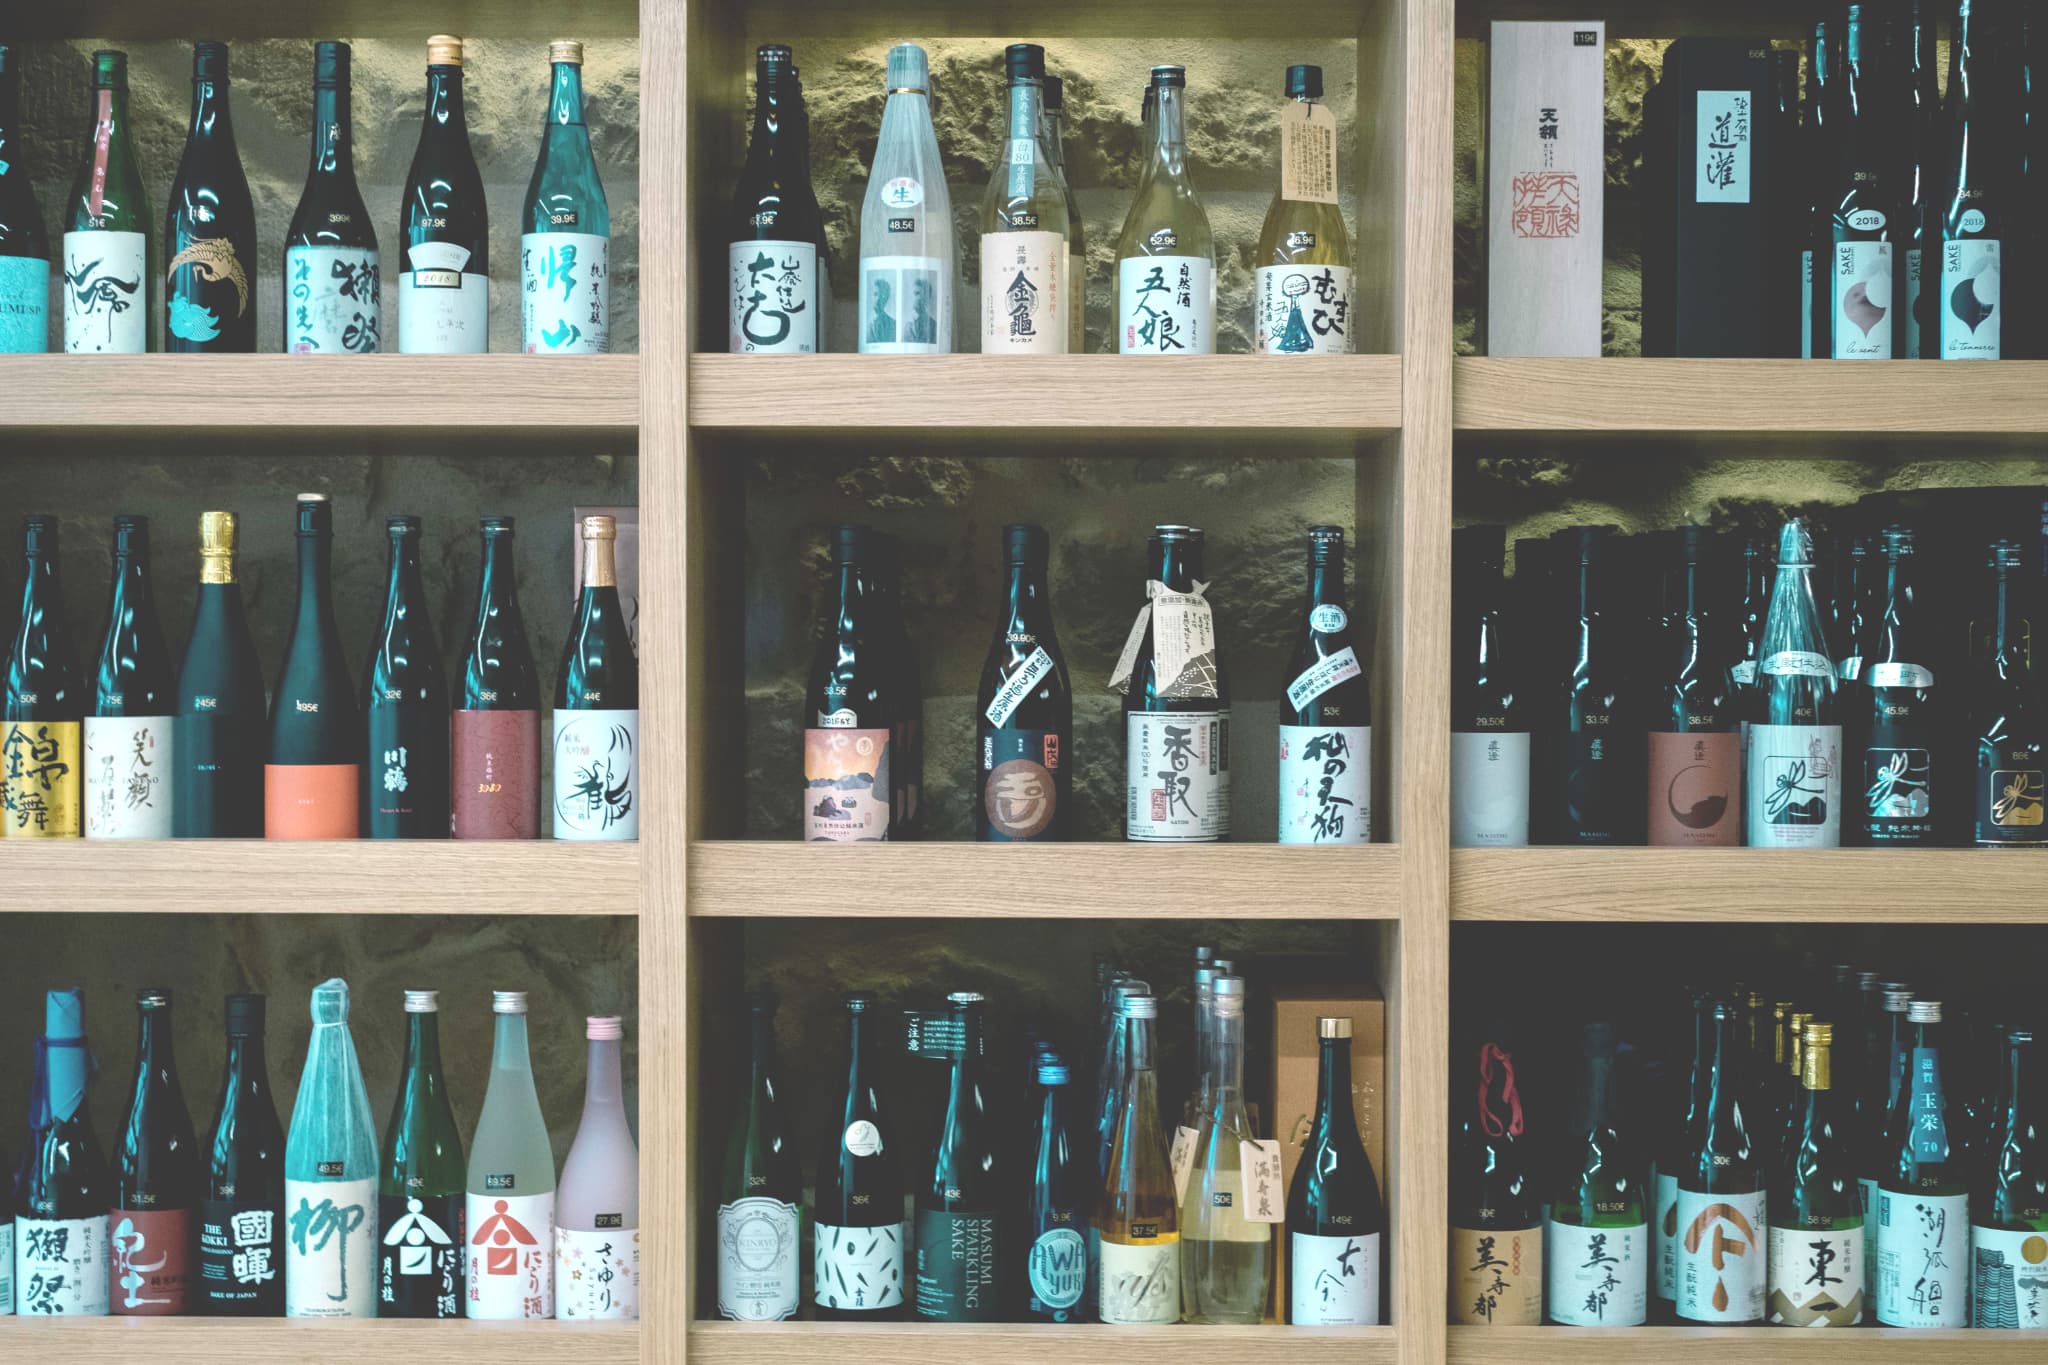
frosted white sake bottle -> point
(510, 1208)
(330, 1175)
(597, 1208)
(906, 223)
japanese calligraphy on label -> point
(1024, 299)
(564, 293)
(511, 1263)
(1166, 305)
(1019, 685)
(127, 771)
(105, 292)
(1721, 164)
(1816, 1277)
(1333, 1281)
(1598, 1277)
(1721, 1254)
(1308, 153)
(1325, 784)
(42, 787)
(1177, 770)
(1322, 675)
(1923, 1257)
(597, 774)
(330, 1242)
(1265, 1194)
(597, 1274)
(1302, 309)
(1497, 1277)
(332, 296)
(777, 297)
(60, 1267)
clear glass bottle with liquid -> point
(1226, 1222)
(1166, 257)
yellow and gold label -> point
(42, 779)
(1497, 1277)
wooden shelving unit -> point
(811, 1343)
(1703, 1345)
(372, 1341)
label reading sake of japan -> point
(443, 308)
(597, 774)
(1794, 796)
(1664, 1233)
(152, 1253)
(1023, 295)
(1497, 1277)
(1923, 1259)
(1057, 1268)
(1322, 675)
(1182, 1158)
(105, 293)
(846, 785)
(24, 307)
(1721, 162)
(775, 299)
(1695, 796)
(1177, 769)
(41, 785)
(241, 1254)
(564, 293)
(1140, 1284)
(1970, 278)
(1816, 1277)
(757, 1265)
(510, 1262)
(1489, 789)
(956, 1267)
(1166, 305)
(329, 1260)
(1017, 687)
(1333, 1281)
(1325, 784)
(1862, 294)
(857, 1270)
(127, 777)
(597, 1274)
(1302, 309)
(2008, 1278)
(61, 1267)
(1023, 783)
(1721, 1257)
(1599, 1277)
(906, 305)
(332, 298)
(420, 1255)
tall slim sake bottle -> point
(597, 706)
(511, 1187)
(157, 1182)
(129, 753)
(405, 706)
(597, 1208)
(565, 237)
(1024, 227)
(444, 278)
(41, 753)
(1923, 1199)
(108, 284)
(1301, 276)
(330, 1175)
(312, 783)
(420, 1196)
(241, 1220)
(61, 1254)
(1722, 1223)
(218, 739)
(1792, 788)
(210, 283)
(906, 223)
(2009, 1219)
(1166, 258)
(332, 273)
(495, 762)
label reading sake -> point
(597, 1274)
(564, 293)
(1923, 1259)
(24, 308)
(443, 307)
(1333, 1281)
(1598, 1277)
(1302, 309)
(956, 1267)
(1325, 784)
(775, 297)
(1794, 796)
(1721, 1255)
(419, 1256)
(333, 297)
(41, 786)
(1489, 789)
(1024, 783)
(1177, 776)
(1140, 1284)
(1057, 1268)
(105, 294)
(757, 1265)
(1911, 317)
(127, 777)
(1023, 295)
(241, 1255)
(1816, 1277)
(1664, 1233)
(906, 305)
(152, 1253)
(1695, 797)
(61, 1267)
(1721, 161)
(857, 1270)
(846, 785)
(1969, 296)
(510, 1263)
(1497, 1277)
(330, 1230)
(2008, 1278)
(1862, 294)
(597, 774)
(1165, 305)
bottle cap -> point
(1866, 981)
(497, 526)
(1896, 999)
(2019, 1035)
(1175, 76)
(1228, 994)
(1205, 982)
(153, 998)
(850, 544)
(1055, 94)
(330, 1002)
(64, 1014)
(1051, 1070)
(1898, 540)
(1333, 1026)
(964, 998)
(402, 525)
(109, 70)
(1175, 531)
(316, 514)
(1924, 1012)
(1139, 1007)
(444, 49)
(245, 1015)
(908, 70)
(330, 65)
(600, 528)
(858, 1002)
(566, 50)
(1024, 62)
(2005, 554)
(423, 1002)
(209, 61)
(604, 1028)
(508, 1002)
(131, 533)
(1026, 544)
(216, 533)
(1819, 1035)
(1304, 82)
(1224, 966)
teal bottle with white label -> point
(1975, 197)
(331, 269)
(330, 1175)
(1865, 207)
(1923, 1202)
(565, 240)
(24, 246)
(444, 278)
(906, 223)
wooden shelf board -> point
(360, 1341)
(1844, 400)
(1718, 1345)
(1052, 20)
(363, 877)
(1754, 885)
(179, 394)
(1225, 881)
(918, 1343)
(129, 21)
(1119, 395)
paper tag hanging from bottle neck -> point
(1265, 1199)
(933, 1037)
(1183, 1160)
(1308, 153)
(1183, 642)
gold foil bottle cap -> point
(1820, 1035)
(600, 528)
(566, 50)
(444, 49)
(216, 547)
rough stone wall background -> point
(505, 97)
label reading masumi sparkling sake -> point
(1970, 276)
(1333, 1281)
(1816, 1277)
(1721, 1257)
(41, 779)
(1923, 1259)
(443, 307)
(419, 1255)
(105, 292)
(597, 1274)
(1695, 797)
(564, 293)
(332, 301)
(757, 1265)
(774, 297)
(510, 1263)
(1302, 309)
(2008, 1278)
(1325, 784)
(1497, 1277)
(152, 1252)
(857, 1270)
(906, 305)
(1140, 1284)
(127, 777)
(1489, 789)
(1177, 776)
(24, 305)
(956, 1267)
(1721, 162)
(1598, 1277)
(1862, 294)
(1794, 796)
(597, 774)
(329, 1249)
(1023, 295)
(1166, 305)
(1664, 1233)
(846, 784)
(60, 1267)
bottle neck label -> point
(1325, 673)
(1018, 686)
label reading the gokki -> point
(1721, 1257)
(511, 1267)
(1302, 309)
(41, 779)
(2008, 1278)
(127, 777)
(1325, 784)
(1598, 1277)
(1334, 1281)
(1970, 275)
(1023, 297)
(1695, 796)
(857, 1270)
(956, 1267)
(597, 774)
(419, 1256)
(757, 1265)
(329, 1265)
(152, 1251)
(105, 294)
(774, 297)
(1497, 1277)
(241, 1255)
(1177, 769)
(597, 1273)
(1922, 1258)
(443, 307)
(846, 782)
(1489, 789)
(24, 318)
(332, 301)
(495, 782)
(906, 305)
(564, 293)
(1816, 1277)
(60, 1267)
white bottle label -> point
(1664, 1233)
(1020, 685)
(1969, 300)
(1324, 674)
(1336, 1280)
(332, 296)
(565, 293)
(24, 330)
(1023, 293)
(1721, 162)
(1058, 1271)
(60, 1266)
(1490, 790)
(1140, 1284)
(1862, 294)
(510, 1257)
(597, 774)
(597, 1274)
(757, 1266)
(1165, 305)
(857, 1269)
(906, 305)
(777, 298)
(1792, 786)
(443, 307)
(2008, 1278)
(1923, 1259)
(1302, 309)
(1816, 1277)
(1598, 1277)
(1325, 784)
(106, 292)
(127, 777)
(1177, 776)
(1721, 1257)
(1182, 1159)
(1868, 1189)
(330, 1249)
(1910, 319)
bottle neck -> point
(860, 1062)
(444, 101)
(41, 591)
(1226, 1053)
(774, 96)
(333, 143)
(565, 101)
(1026, 97)
(245, 1067)
(10, 98)
(1055, 143)
(1724, 1082)
(210, 117)
(1180, 565)
(1138, 1048)
(967, 1066)
(1335, 1117)
(1326, 577)
(1169, 126)
(600, 565)
(315, 554)
(1598, 1101)
(508, 1045)
(1027, 594)
(603, 1083)
(2006, 653)
(155, 1060)
(1816, 1066)
(2019, 1096)
(762, 1051)
(404, 585)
